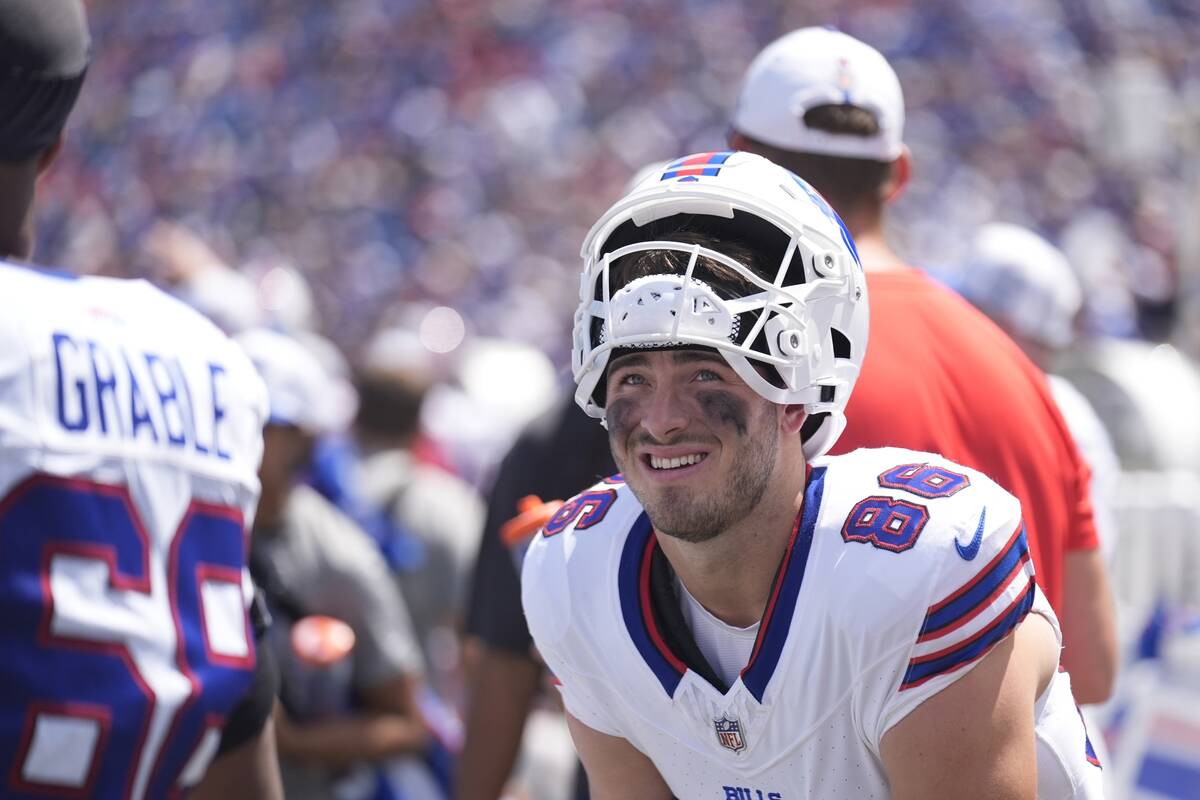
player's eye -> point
(707, 375)
(631, 379)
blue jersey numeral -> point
(924, 480)
(111, 682)
(588, 508)
(885, 523)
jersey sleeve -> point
(247, 719)
(546, 597)
(982, 587)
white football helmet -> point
(805, 324)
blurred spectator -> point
(187, 266)
(937, 377)
(556, 457)
(1025, 284)
(478, 412)
(311, 560)
(452, 153)
(433, 517)
(1152, 428)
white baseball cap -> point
(300, 390)
(1023, 282)
(814, 67)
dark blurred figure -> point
(558, 456)
(430, 518)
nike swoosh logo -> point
(971, 550)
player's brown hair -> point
(726, 281)
(389, 404)
(849, 184)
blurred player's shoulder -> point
(909, 525)
(891, 501)
(577, 552)
(591, 507)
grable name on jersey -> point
(116, 391)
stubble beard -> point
(694, 515)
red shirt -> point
(940, 376)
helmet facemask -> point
(770, 294)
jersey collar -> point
(650, 607)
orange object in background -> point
(532, 516)
(321, 641)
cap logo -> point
(845, 79)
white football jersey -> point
(903, 570)
(130, 439)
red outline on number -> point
(911, 470)
(211, 573)
(595, 507)
(233, 515)
(122, 582)
(91, 711)
(890, 503)
(559, 522)
(211, 722)
(47, 638)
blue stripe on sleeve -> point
(981, 588)
(971, 649)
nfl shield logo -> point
(729, 733)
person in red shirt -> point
(938, 376)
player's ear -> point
(791, 419)
(901, 174)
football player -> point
(735, 615)
(130, 436)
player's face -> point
(694, 442)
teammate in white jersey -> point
(735, 617)
(130, 437)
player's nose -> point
(664, 413)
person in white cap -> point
(940, 377)
(310, 559)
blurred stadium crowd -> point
(451, 152)
(404, 186)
